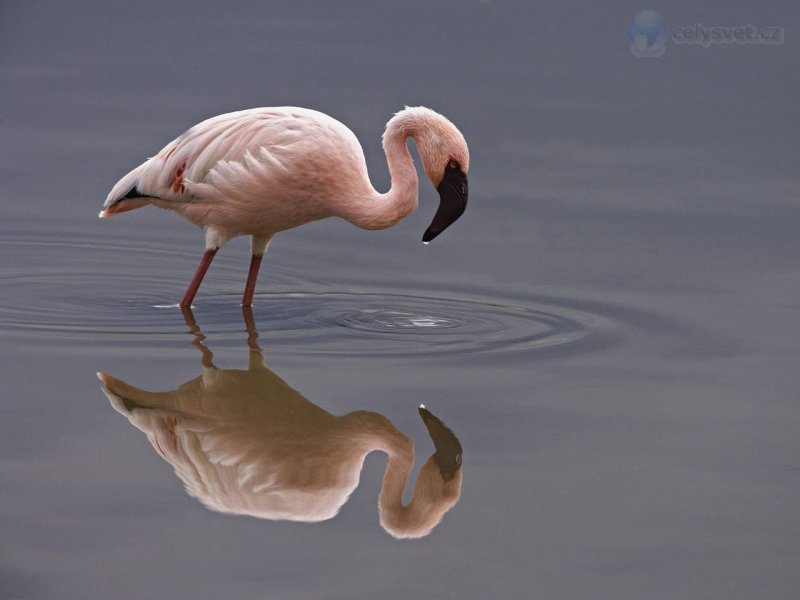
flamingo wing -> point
(297, 160)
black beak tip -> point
(429, 235)
(453, 193)
(448, 448)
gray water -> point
(610, 331)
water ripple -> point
(78, 296)
(398, 324)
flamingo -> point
(260, 171)
(244, 442)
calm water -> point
(609, 333)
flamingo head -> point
(445, 158)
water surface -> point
(610, 330)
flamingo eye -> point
(453, 164)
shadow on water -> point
(244, 442)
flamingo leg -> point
(258, 246)
(205, 262)
(198, 338)
(252, 275)
(256, 360)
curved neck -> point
(428, 504)
(385, 210)
(395, 480)
(432, 496)
(405, 183)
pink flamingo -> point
(260, 171)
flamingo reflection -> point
(244, 442)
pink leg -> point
(252, 275)
(205, 262)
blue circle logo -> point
(648, 33)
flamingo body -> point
(261, 171)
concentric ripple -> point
(81, 299)
(398, 324)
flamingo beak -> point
(448, 449)
(453, 192)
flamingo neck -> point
(405, 183)
(385, 210)
(395, 479)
